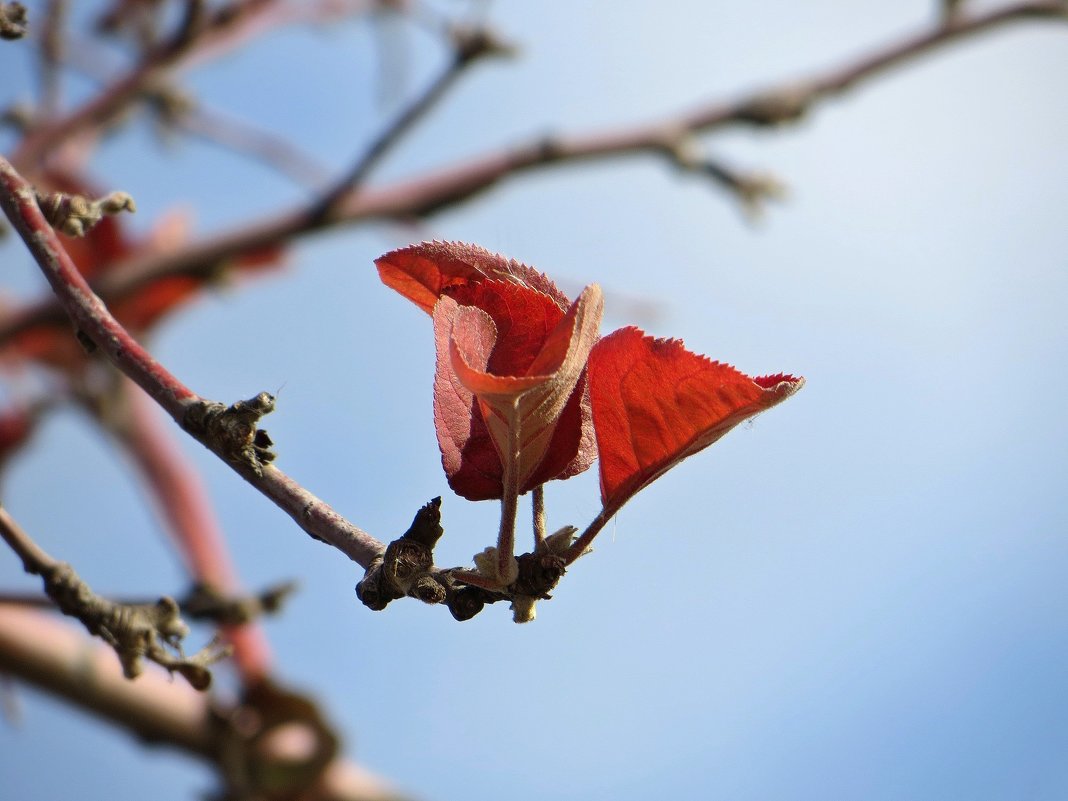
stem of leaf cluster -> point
(538, 497)
(509, 500)
(579, 546)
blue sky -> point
(859, 596)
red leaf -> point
(655, 403)
(423, 272)
(517, 362)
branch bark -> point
(96, 326)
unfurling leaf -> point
(655, 403)
(513, 385)
(518, 313)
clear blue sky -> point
(867, 597)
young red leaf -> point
(522, 411)
(423, 272)
(515, 361)
(655, 403)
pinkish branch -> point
(41, 651)
(187, 514)
(217, 427)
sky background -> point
(859, 596)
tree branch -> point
(192, 33)
(187, 514)
(229, 432)
(671, 138)
(43, 652)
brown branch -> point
(670, 138)
(49, 54)
(229, 432)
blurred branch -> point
(50, 49)
(244, 139)
(197, 29)
(201, 603)
(187, 514)
(229, 432)
(43, 652)
(39, 649)
(469, 46)
(135, 631)
(670, 138)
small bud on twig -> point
(75, 215)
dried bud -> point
(538, 574)
(426, 527)
(466, 602)
(373, 592)
(405, 561)
(428, 590)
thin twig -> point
(50, 54)
(272, 151)
(205, 420)
(191, 35)
(538, 501)
(468, 48)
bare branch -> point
(193, 33)
(469, 46)
(448, 186)
(229, 432)
(39, 649)
(188, 516)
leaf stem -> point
(538, 497)
(579, 546)
(509, 501)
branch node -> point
(407, 566)
(134, 631)
(777, 107)
(467, 601)
(231, 430)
